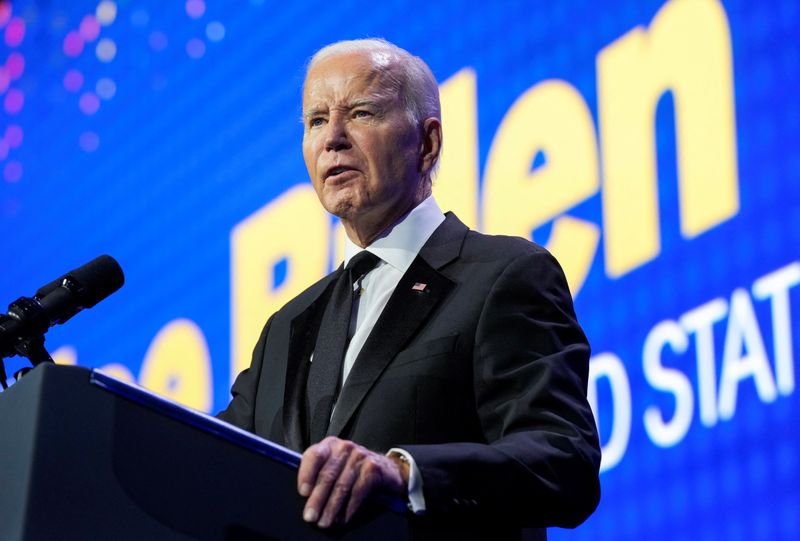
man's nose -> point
(336, 137)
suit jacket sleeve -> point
(241, 410)
(540, 464)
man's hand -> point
(337, 475)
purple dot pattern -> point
(73, 80)
(213, 31)
(195, 48)
(14, 101)
(12, 171)
(73, 44)
(89, 28)
(89, 103)
(195, 8)
(89, 141)
(15, 32)
(15, 65)
(5, 13)
(76, 42)
(13, 98)
(13, 136)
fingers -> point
(312, 460)
(376, 471)
(320, 468)
(370, 476)
(323, 469)
(338, 475)
(341, 489)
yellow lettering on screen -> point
(119, 371)
(177, 365)
(292, 229)
(456, 184)
(66, 355)
(687, 51)
(337, 244)
(551, 117)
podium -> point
(85, 456)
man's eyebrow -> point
(365, 102)
(361, 102)
(312, 112)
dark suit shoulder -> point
(480, 246)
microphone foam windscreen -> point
(97, 279)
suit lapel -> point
(407, 309)
(302, 337)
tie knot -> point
(361, 264)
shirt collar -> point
(401, 244)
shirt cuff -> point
(416, 499)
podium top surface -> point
(199, 420)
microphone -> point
(55, 303)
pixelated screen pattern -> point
(152, 130)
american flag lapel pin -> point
(419, 286)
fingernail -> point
(324, 523)
(305, 489)
(310, 515)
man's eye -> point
(316, 122)
(362, 114)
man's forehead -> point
(348, 75)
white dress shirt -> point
(397, 248)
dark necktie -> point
(326, 368)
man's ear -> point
(431, 144)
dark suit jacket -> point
(481, 377)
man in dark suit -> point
(444, 366)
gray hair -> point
(417, 86)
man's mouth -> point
(334, 172)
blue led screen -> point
(652, 145)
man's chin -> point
(344, 204)
(342, 209)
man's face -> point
(361, 149)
